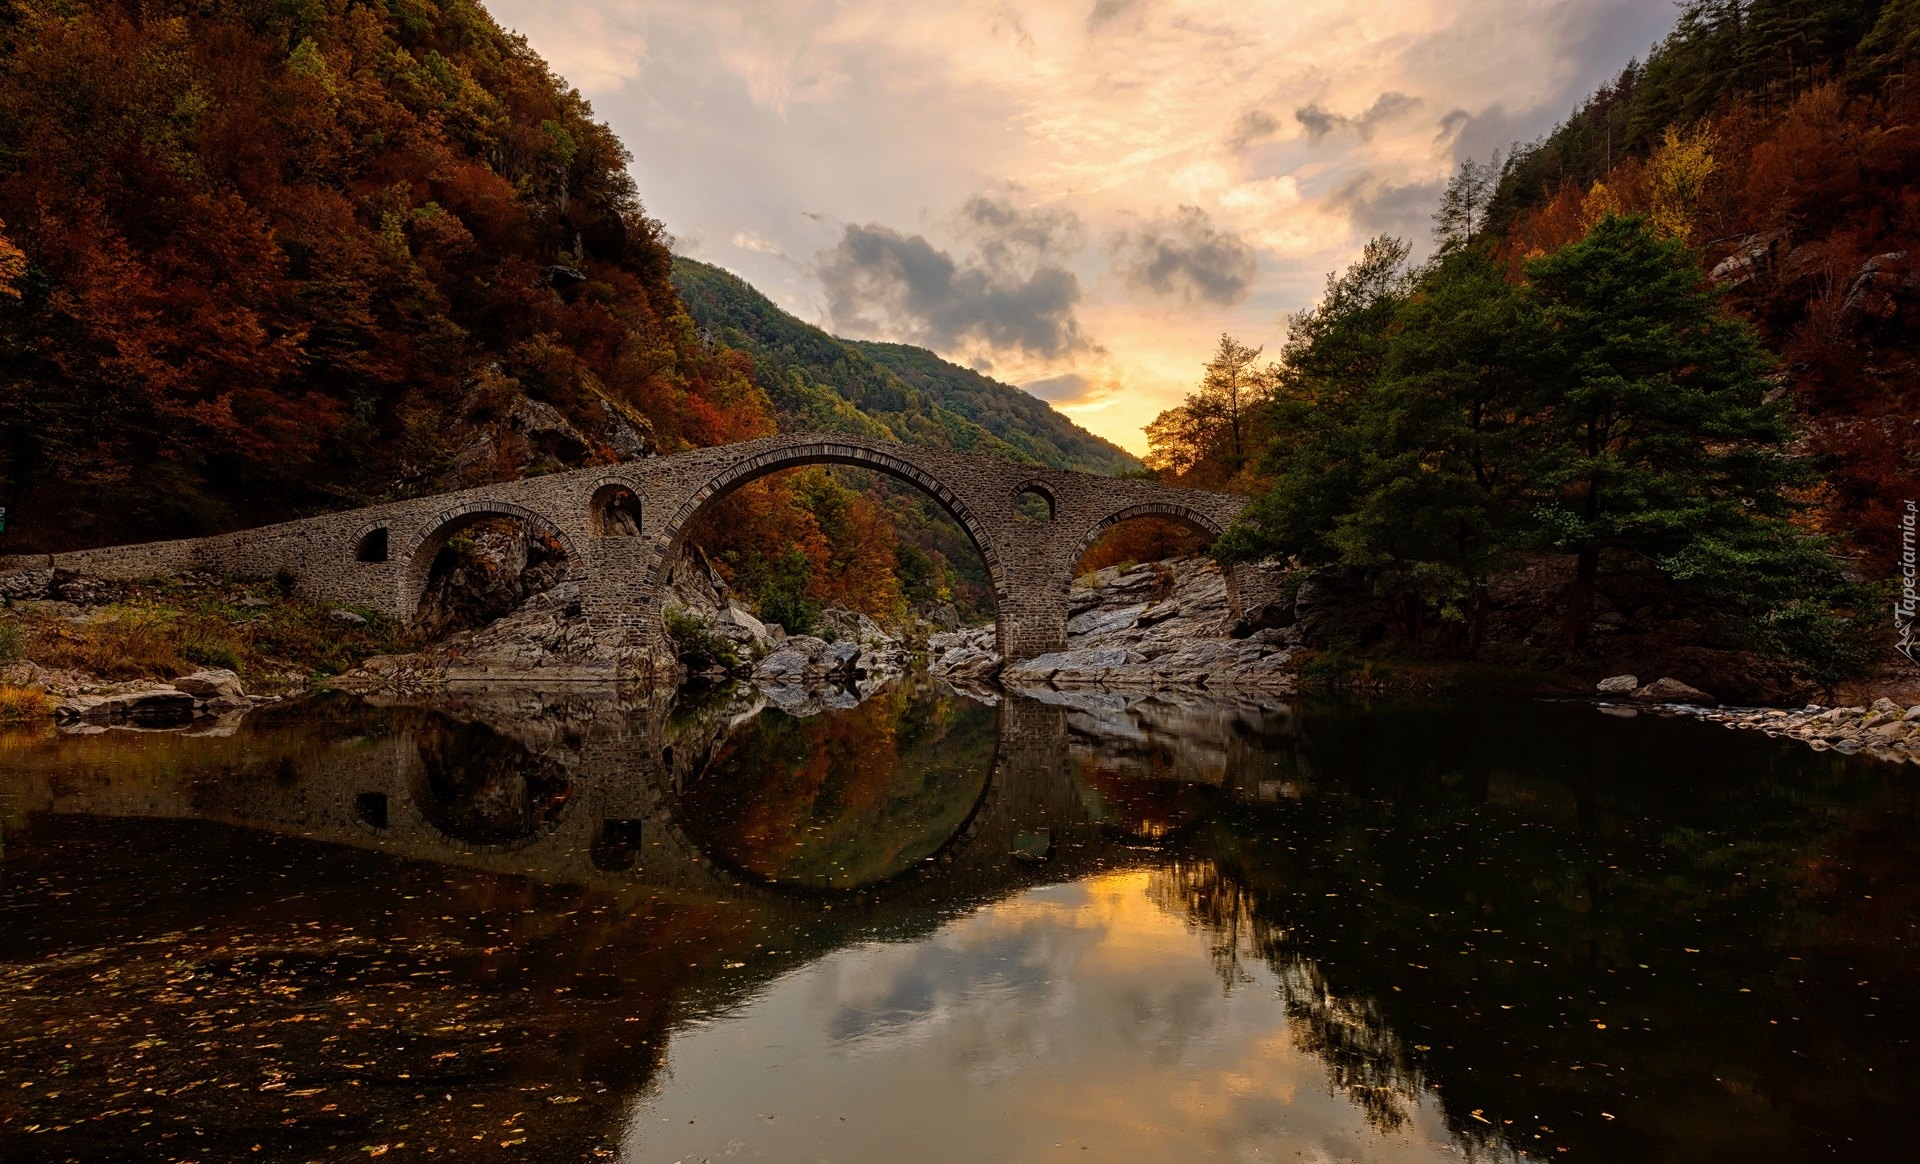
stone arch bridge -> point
(623, 526)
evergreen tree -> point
(1654, 431)
(1333, 354)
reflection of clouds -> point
(1078, 1016)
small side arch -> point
(435, 532)
(614, 509)
(372, 544)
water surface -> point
(929, 928)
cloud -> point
(1254, 125)
(1014, 243)
(881, 282)
(1321, 123)
(1377, 206)
(1186, 257)
(1105, 11)
(749, 240)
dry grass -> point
(123, 643)
(163, 630)
(21, 705)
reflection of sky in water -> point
(1078, 1019)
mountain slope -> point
(288, 257)
(817, 380)
(1779, 137)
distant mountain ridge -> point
(817, 380)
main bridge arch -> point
(893, 460)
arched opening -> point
(1142, 567)
(372, 546)
(484, 791)
(615, 512)
(1033, 503)
(1144, 538)
(784, 800)
(832, 542)
(479, 564)
(617, 848)
(371, 809)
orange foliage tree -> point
(302, 255)
(1810, 218)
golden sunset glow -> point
(1075, 196)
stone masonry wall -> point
(1030, 561)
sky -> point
(1075, 196)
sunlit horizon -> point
(1074, 197)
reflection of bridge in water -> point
(582, 792)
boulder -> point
(155, 707)
(1671, 690)
(785, 665)
(1618, 685)
(852, 626)
(968, 663)
(347, 618)
(737, 626)
(210, 684)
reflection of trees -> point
(1466, 898)
(1364, 1058)
(836, 801)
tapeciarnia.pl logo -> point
(1904, 609)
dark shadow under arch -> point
(1191, 518)
(420, 554)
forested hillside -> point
(1782, 138)
(1649, 403)
(285, 255)
(263, 258)
(817, 380)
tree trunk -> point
(1580, 599)
(1477, 623)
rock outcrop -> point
(195, 699)
(1159, 625)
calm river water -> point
(926, 928)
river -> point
(928, 928)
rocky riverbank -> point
(1884, 731)
(1161, 625)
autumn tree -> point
(299, 256)
(1208, 438)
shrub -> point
(695, 645)
(22, 705)
(211, 642)
(13, 642)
